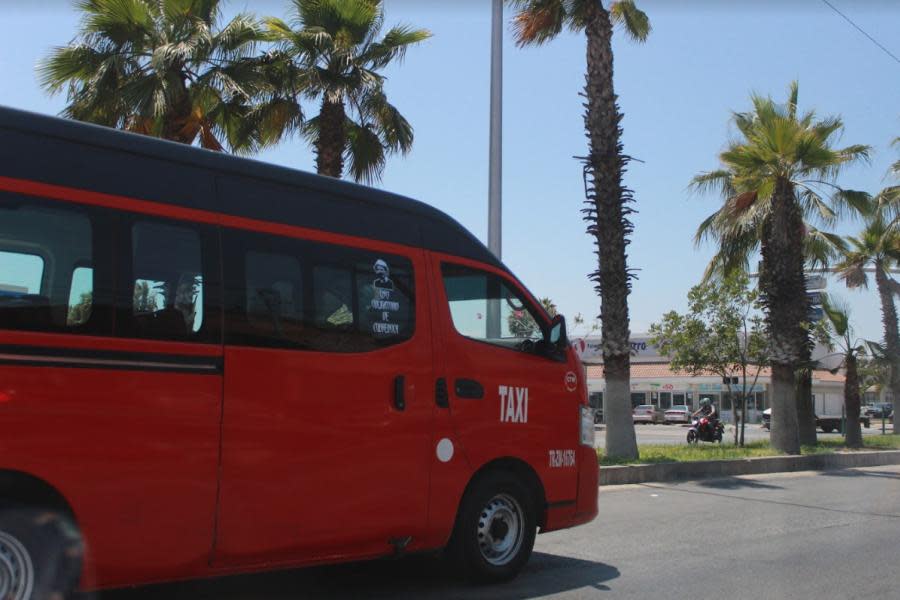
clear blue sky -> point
(677, 90)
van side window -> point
(274, 295)
(81, 299)
(487, 309)
(288, 293)
(167, 282)
(45, 251)
(20, 273)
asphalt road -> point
(677, 434)
(788, 536)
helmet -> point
(705, 402)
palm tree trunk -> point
(806, 412)
(851, 403)
(783, 288)
(332, 139)
(891, 335)
(607, 217)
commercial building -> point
(653, 381)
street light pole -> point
(495, 158)
(496, 140)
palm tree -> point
(838, 321)
(336, 57)
(607, 211)
(160, 67)
(782, 169)
(877, 248)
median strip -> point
(673, 463)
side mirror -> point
(558, 337)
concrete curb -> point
(621, 475)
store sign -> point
(590, 351)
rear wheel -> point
(40, 555)
(495, 529)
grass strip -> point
(655, 454)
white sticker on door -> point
(513, 404)
(384, 304)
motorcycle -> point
(703, 431)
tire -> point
(691, 437)
(40, 555)
(495, 529)
(827, 428)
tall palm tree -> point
(607, 212)
(838, 320)
(878, 248)
(336, 57)
(782, 169)
(160, 67)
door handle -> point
(441, 397)
(469, 388)
(399, 392)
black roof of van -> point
(65, 152)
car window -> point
(46, 278)
(486, 308)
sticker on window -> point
(385, 305)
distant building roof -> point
(661, 370)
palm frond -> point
(365, 154)
(393, 46)
(634, 21)
(538, 21)
(820, 248)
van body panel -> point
(133, 450)
(318, 460)
(526, 411)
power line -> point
(862, 31)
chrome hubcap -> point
(500, 530)
(16, 569)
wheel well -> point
(21, 489)
(524, 473)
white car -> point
(678, 414)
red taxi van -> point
(211, 365)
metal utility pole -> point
(496, 144)
(495, 213)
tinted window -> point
(81, 300)
(486, 308)
(47, 279)
(169, 297)
(20, 273)
(289, 293)
(274, 291)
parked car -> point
(880, 410)
(678, 414)
(648, 413)
(826, 424)
(829, 424)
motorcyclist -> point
(708, 409)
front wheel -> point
(495, 529)
(692, 437)
(40, 555)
